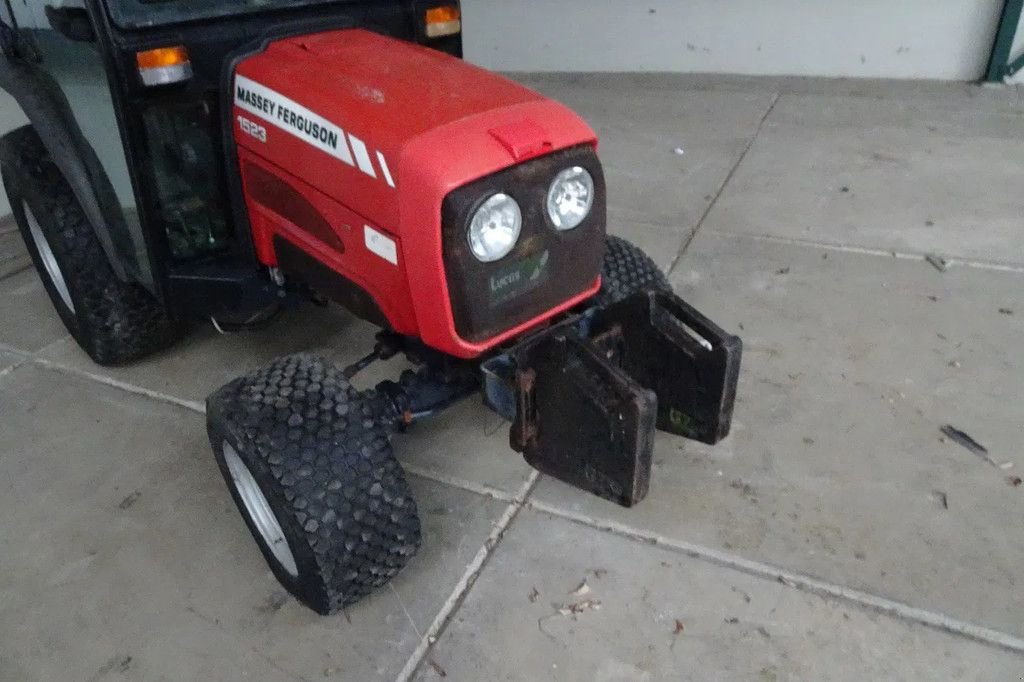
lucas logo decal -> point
(518, 278)
(310, 127)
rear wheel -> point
(313, 474)
(626, 270)
(113, 321)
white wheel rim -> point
(46, 255)
(259, 510)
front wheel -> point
(627, 270)
(313, 474)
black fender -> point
(48, 111)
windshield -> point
(143, 13)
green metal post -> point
(999, 65)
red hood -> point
(384, 94)
(362, 137)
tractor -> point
(214, 161)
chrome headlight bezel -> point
(565, 208)
(494, 227)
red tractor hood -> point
(368, 115)
(349, 143)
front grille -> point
(546, 268)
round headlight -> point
(570, 198)
(495, 228)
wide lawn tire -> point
(325, 469)
(626, 270)
(113, 321)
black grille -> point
(546, 268)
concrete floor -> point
(834, 536)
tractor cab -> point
(135, 98)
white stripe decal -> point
(384, 167)
(362, 156)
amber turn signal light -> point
(164, 65)
(443, 21)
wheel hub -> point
(46, 256)
(258, 508)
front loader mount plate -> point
(583, 420)
(586, 395)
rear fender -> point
(48, 111)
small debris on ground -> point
(1006, 311)
(782, 271)
(119, 663)
(130, 500)
(678, 630)
(679, 151)
(533, 596)
(933, 298)
(941, 497)
(437, 668)
(929, 223)
(1006, 466)
(965, 440)
(577, 608)
(786, 581)
(844, 189)
(955, 364)
(582, 590)
(748, 491)
(746, 597)
(937, 262)
(732, 620)
(1015, 481)
(599, 572)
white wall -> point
(943, 39)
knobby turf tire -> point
(113, 321)
(326, 468)
(626, 270)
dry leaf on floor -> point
(577, 608)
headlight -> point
(495, 228)
(570, 198)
